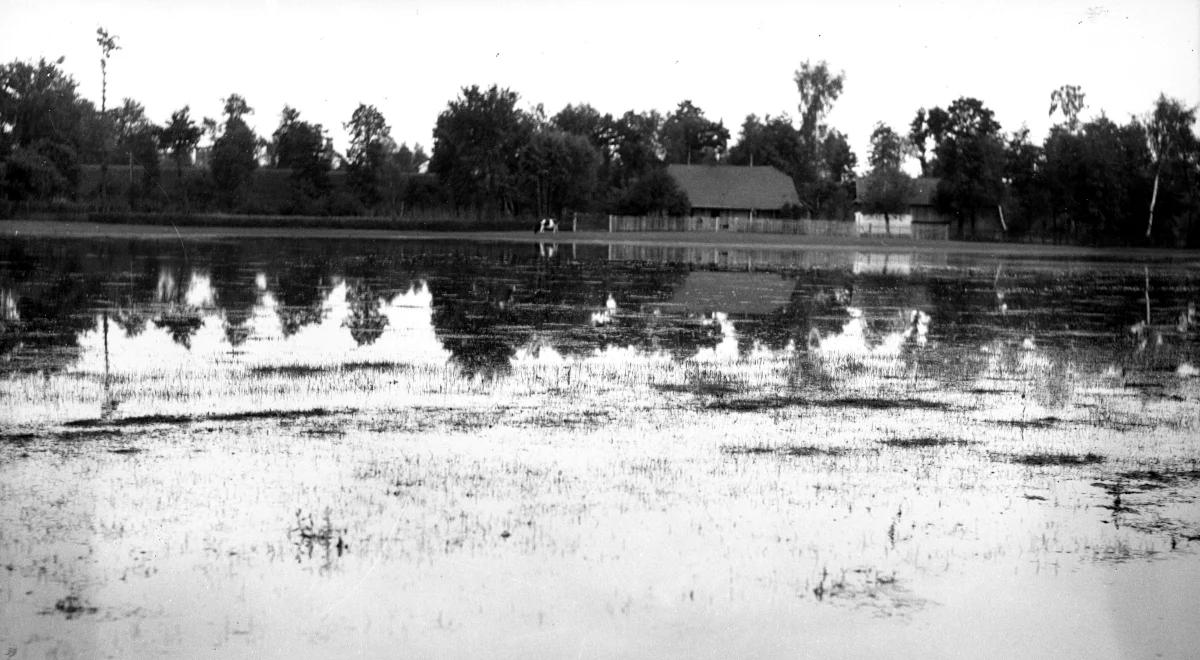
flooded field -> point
(453, 449)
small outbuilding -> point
(735, 191)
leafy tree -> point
(887, 187)
(303, 148)
(770, 141)
(367, 157)
(236, 108)
(1171, 141)
(887, 148)
(137, 141)
(1068, 99)
(1097, 179)
(637, 150)
(819, 89)
(40, 115)
(970, 159)
(233, 154)
(561, 170)
(689, 137)
(927, 130)
(409, 161)
(825, 166)
(1024, 171)
(179, 137)
(655, 193)
(478, 140)
(32, 173)
(583, 119)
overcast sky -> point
(410, 58)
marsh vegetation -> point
(479, 450)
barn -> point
(735, 191)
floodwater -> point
(287, 447)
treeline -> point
(1096, 182)
(1091, 181)
(491, 158)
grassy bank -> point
(208, 226)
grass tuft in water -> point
(1048, 458)
(928, 441)
(784, 450)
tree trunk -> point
(1153, 200)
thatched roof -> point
(734, 187)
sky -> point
(410, 58)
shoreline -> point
(742, 241)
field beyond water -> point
(447, 448)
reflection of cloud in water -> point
(542, 354)
(166, 289)
(199, 292)
(854, 338)
(605, 316)
(8, 306)
(727, 349)
(409, 337)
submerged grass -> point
(926, 441)
(799, 451)
(1042, 459)
(151, 420)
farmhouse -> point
(729, 191)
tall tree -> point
(409, 160)
(637, 150)
(826, 162)
(233, 154)
(303, 148)
(1069, 100)
(40, 129)
(927, 130)
(1097, 179)
(367, 158)
(969, 160)
(477, 142)
(769, 141)
(1024, 170)
(887, 188)
(137, 143)
(107, 44)
(560, 170)
(179, 137)
(691, 138)
(819, 89)
(1171, 139)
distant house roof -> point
(924, 190)
(734, 186)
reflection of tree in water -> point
(366, 321)
(48, 304)
(467, 329)
(300, 287)
(181, 322)
(131, 320)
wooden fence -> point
(623, 223)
